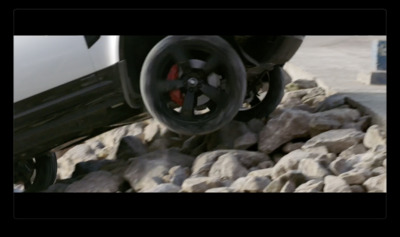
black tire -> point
(219, 59)
(45, 167)
(271, 100)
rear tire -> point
(45, 167)
(272, 99)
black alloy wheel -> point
(193, 84)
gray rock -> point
(255, 125)
(178, 174)
(245, 141)
(357, 189)
(200, 184)
(291, 99)
(130, 146)
(374, 136)
(362, 124)
(290, 162)
(311, 186)
(251, 184)
(353, 150)
(384, 163)
(376, 184)
(194, 146)
(289, 125)
(335, 184)
(355, 176)
(320, 124)
(339, 166)
(265, 164)
(83, 168)
(147, 171)
(225, 137)
(219, 190)
(341, 115)
(289, 187)
(336, 140)
(227, 167)
(312, 169)
(164, 188)
(159, 144)
(261, 173)
(331, 102)
(291, 146)
(56, 188)
(99, 181)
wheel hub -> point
(192, 82)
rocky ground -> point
(311, 143)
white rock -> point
(261, 173)
(354, 176)
(374, 136)
(151, 131)
(277, 184)
(250, 184)
(227, 167)
(289, 125)
(317, 149)
(376, 184)
(219, 190)
(290, 162)
(163, 188)
(311, 186)
(199, 184)
(66, 163)
(336, 140)
(312, 169)
(202, 164)
(335, 184)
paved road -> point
(335, 62)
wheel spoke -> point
(181, 57)
(188, 105)
(213, 93)
(211, 65)
(169, 85)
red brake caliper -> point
(175, 95)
